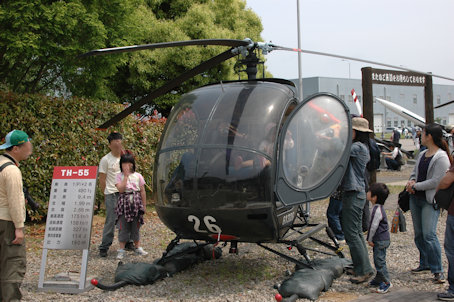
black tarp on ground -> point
(186, 254)
(139, 273)
(308, 283)
(179, 258)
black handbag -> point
(444, 197)
(404, 200)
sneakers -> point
(139, 251)
(439, 278)
(384, 287)
(448, 296)
(375, 283)
(103, 253)
(121, 254)
(420, 270)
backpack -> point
(5, 165)
(449, 140)
(395, 222)
(400, 159)
(374, 152)
(30, 201)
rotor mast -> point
(251, 62)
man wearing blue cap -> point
(12, 215)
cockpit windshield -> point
(242, 115)
(220, 143)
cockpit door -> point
(314, 149)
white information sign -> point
(70, 210)
(68, 225)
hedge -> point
(63, 134)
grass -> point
(386, 136)
(395, 189)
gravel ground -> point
(248, 276)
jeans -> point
(425, 220)
(380, 261)
(109, 226)
(392, 164)
(449, 251)
(366, 216)
(352, 212)
(333, 213)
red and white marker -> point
(358, 105)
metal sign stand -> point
(65, 283)
(68, 225)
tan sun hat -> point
(360, 124)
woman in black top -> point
(430, 168)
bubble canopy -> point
(223, 145)
(219, 145)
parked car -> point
(390, 129)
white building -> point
(409, 97)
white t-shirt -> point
(110, 165)
(395, 152)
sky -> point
(416, 34)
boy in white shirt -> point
(393, 158)
(109, 167)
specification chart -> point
(70, 210)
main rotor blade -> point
(358, 60)
(220, 42)
(442, 105)
(169, 86)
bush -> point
(63, 134)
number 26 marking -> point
(209, 223)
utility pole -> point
(300, 77)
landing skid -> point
(299, 232)
(303, 250)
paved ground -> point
(400, 295)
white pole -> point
(349, 74)
(385, 117)
(300, 79)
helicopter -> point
(237, 160)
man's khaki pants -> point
(12, 263)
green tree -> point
(63, 134)
(40, 41)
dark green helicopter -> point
(238, 160)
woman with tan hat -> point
(354, 199)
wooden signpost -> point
(372, 76)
